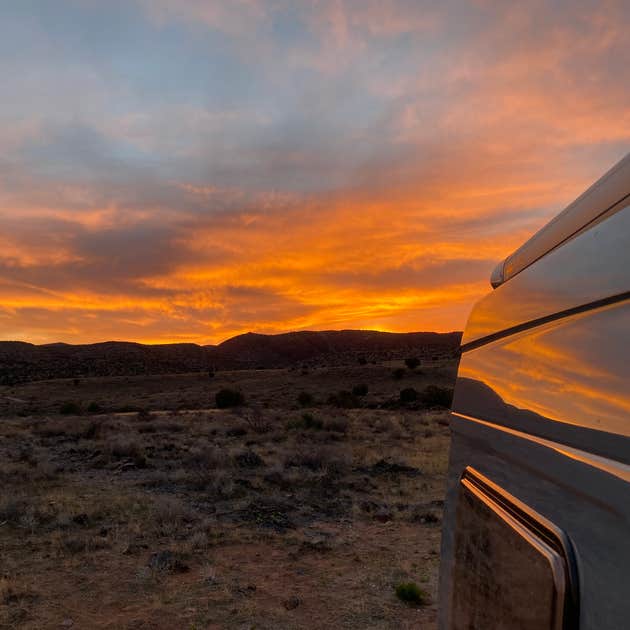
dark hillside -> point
(22, 362)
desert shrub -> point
(435, 396)
(362, 360)
(326, 459)
(170, 515)
(225, 398)
(307, 421)
(344, 400)
(236, 432)
(305, 399)
(311, 422)
(337, 425)
(408, 395)
(411, 593)
(120, 449)
(412, 362)
(398, 373)
(167, 561)
(124, 450)
(93, 407)
(210, 373)
(257, 421)
(248, 459)
(207, 459)
(198, 541)
(11, 510)
(360, 390)
(69, 408)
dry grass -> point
(182, 515)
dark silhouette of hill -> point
(20, 361)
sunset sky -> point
(187, 170)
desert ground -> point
(134, 502)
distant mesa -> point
(21, 362)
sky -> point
(188, 170)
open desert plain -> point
(290, 497)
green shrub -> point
(225, 398)
(305, 399)
(412, 362)
(248, 459)
(311, 422)
(411, 593)
(70, 408)
(337, 425)
(398, 373)
(360, 390)
(408, 395)
(307, 421)
(435, 396)
(344, 400)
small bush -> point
(412, 362)
(118, 451)
(435, 396)
(360, 390)
(70, 408)
(225, 398)
(398, 373)
(307, 421)
(411, 593)
(94, 407)
(257, 421)
(207, 459)
(311, 422)
(344, 400)
(362, 360)
(337, 425)
(210, 373)
(408, 395)
(324, 459)
(248, 459)
(305, 399)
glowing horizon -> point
(188, 171)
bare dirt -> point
(142, 505)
